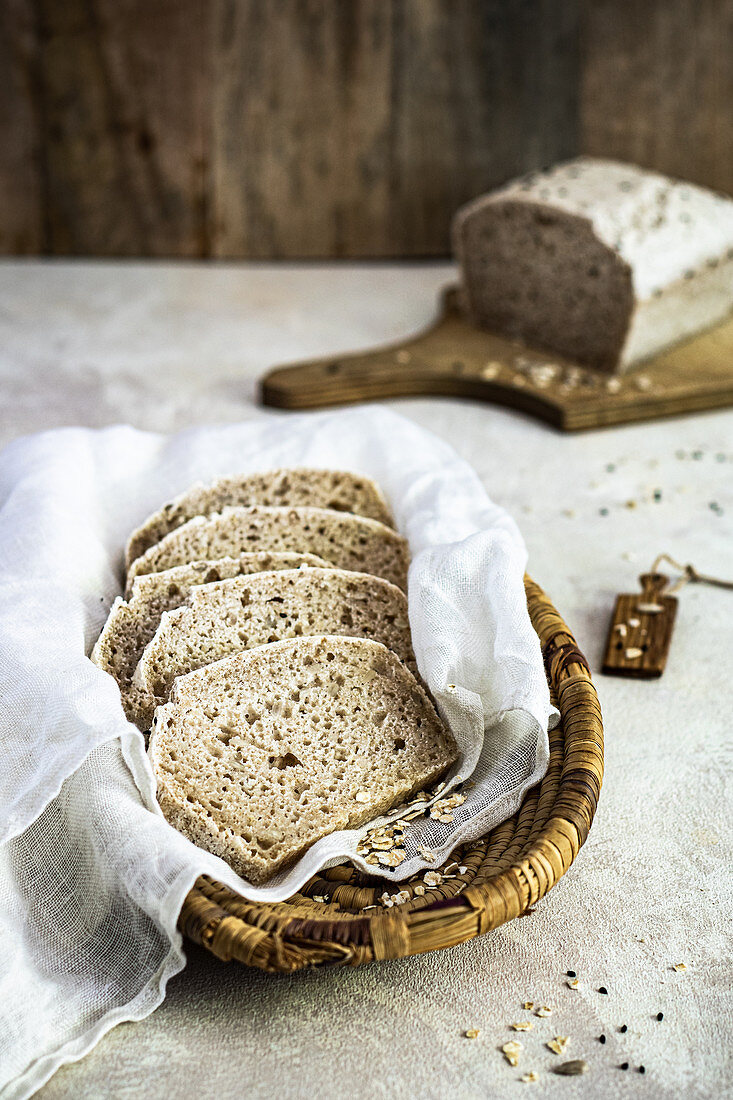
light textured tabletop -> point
(165, 346)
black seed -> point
(624, 1065)
(660, 1015)
(601, 1038)
(642, 1069)
(657, 494)
(602, 989)
(603, 511)
(623, 1028)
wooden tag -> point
(641, 631)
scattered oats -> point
(432, 878)
(388, 903)
(558, 1044)
(413, 814)
(680, 966)
(491, 370)
(632, 653)
(544, 1010)
(620, 628)
(472, 1032)
(439, 788)
(320, 898)
(391, 859)
(529, 1078)
(362, 796)
(365, 907)
(462, 869)
(421, 796)
(527, 1005)
(444, 818)
(402, 825)
(634, 622)
(426, 853)
(371, 859)
(649, 608)
(522, 1025)
(401, 897)
(383, 844)
(403, 357)
(613, 385)
(450, 867)
(573, 983)
(511, 1052)
(419, 890)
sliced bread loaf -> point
(260, 755)
(603, 262)
(334, 489)
(219, 619)
(131, 625)
(349, 541)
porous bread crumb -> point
(239, 614)
(337, 490)
(346, 540)
(256, 758)
(131, 624)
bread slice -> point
(603, 262)
(260, 755)
(131, 625)
(350, 542)
(334, 489)
(219, 619)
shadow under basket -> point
(504, 873)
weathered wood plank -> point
(122, 89)
(657, 86)
(361, 127)
(21, 192)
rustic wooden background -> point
(327, 128)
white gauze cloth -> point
(92, 877)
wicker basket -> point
(504, 873)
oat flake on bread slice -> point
(232, 615)
(260, 755)
(349, 541)
(335, 489)
(131, 624)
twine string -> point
(688, 574)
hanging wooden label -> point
(641, 630)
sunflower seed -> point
(572, 1069)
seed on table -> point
(571, 974)
(472, 1032)
(660, 1015)
(624, 1065)
(601, 1038)
(572, 1069)
(642, 1069)
(602, 989)
(624, 1028)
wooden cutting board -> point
(454, 358)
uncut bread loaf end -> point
(260, 755)
(337, 490)
(602, 262)
(131, 624)
(346, 540)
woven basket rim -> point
(301, 932)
